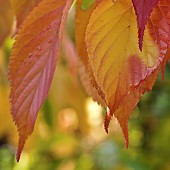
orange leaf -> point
(125, 109)
(82, 20)
(90, 89)
(87, 77)
(23, 8)
(33, 61)
(120, 69)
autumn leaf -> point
(5, 19)
(22, 9)
(143, 9)
(33, 61)
(120, 69)
(81, 29)
(88, 86)
(159, 27)
(86, 74)
(113, 69)
(128, 104)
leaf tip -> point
(107, 120)
(124, 127)
(140, 36)
(125, 133)
(22, 140)
(140, 45)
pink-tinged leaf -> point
(33, 61)
(159, 27)
(143, 9)
(128, 104)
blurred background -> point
(69, 132)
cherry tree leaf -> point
(33, 61)
(125, 109)
(5, 19)
(86, 74)
(23, 8)
(143, 9)
(82, 15)
(89, 86)
(120, 69)
(159, 27)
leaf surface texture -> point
(143, 10)
(120, 69)
(33, 61)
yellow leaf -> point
(120, 69)
(113, 49)
(86, 75)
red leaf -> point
(33, 61)
(143, 9)
(159, 27)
